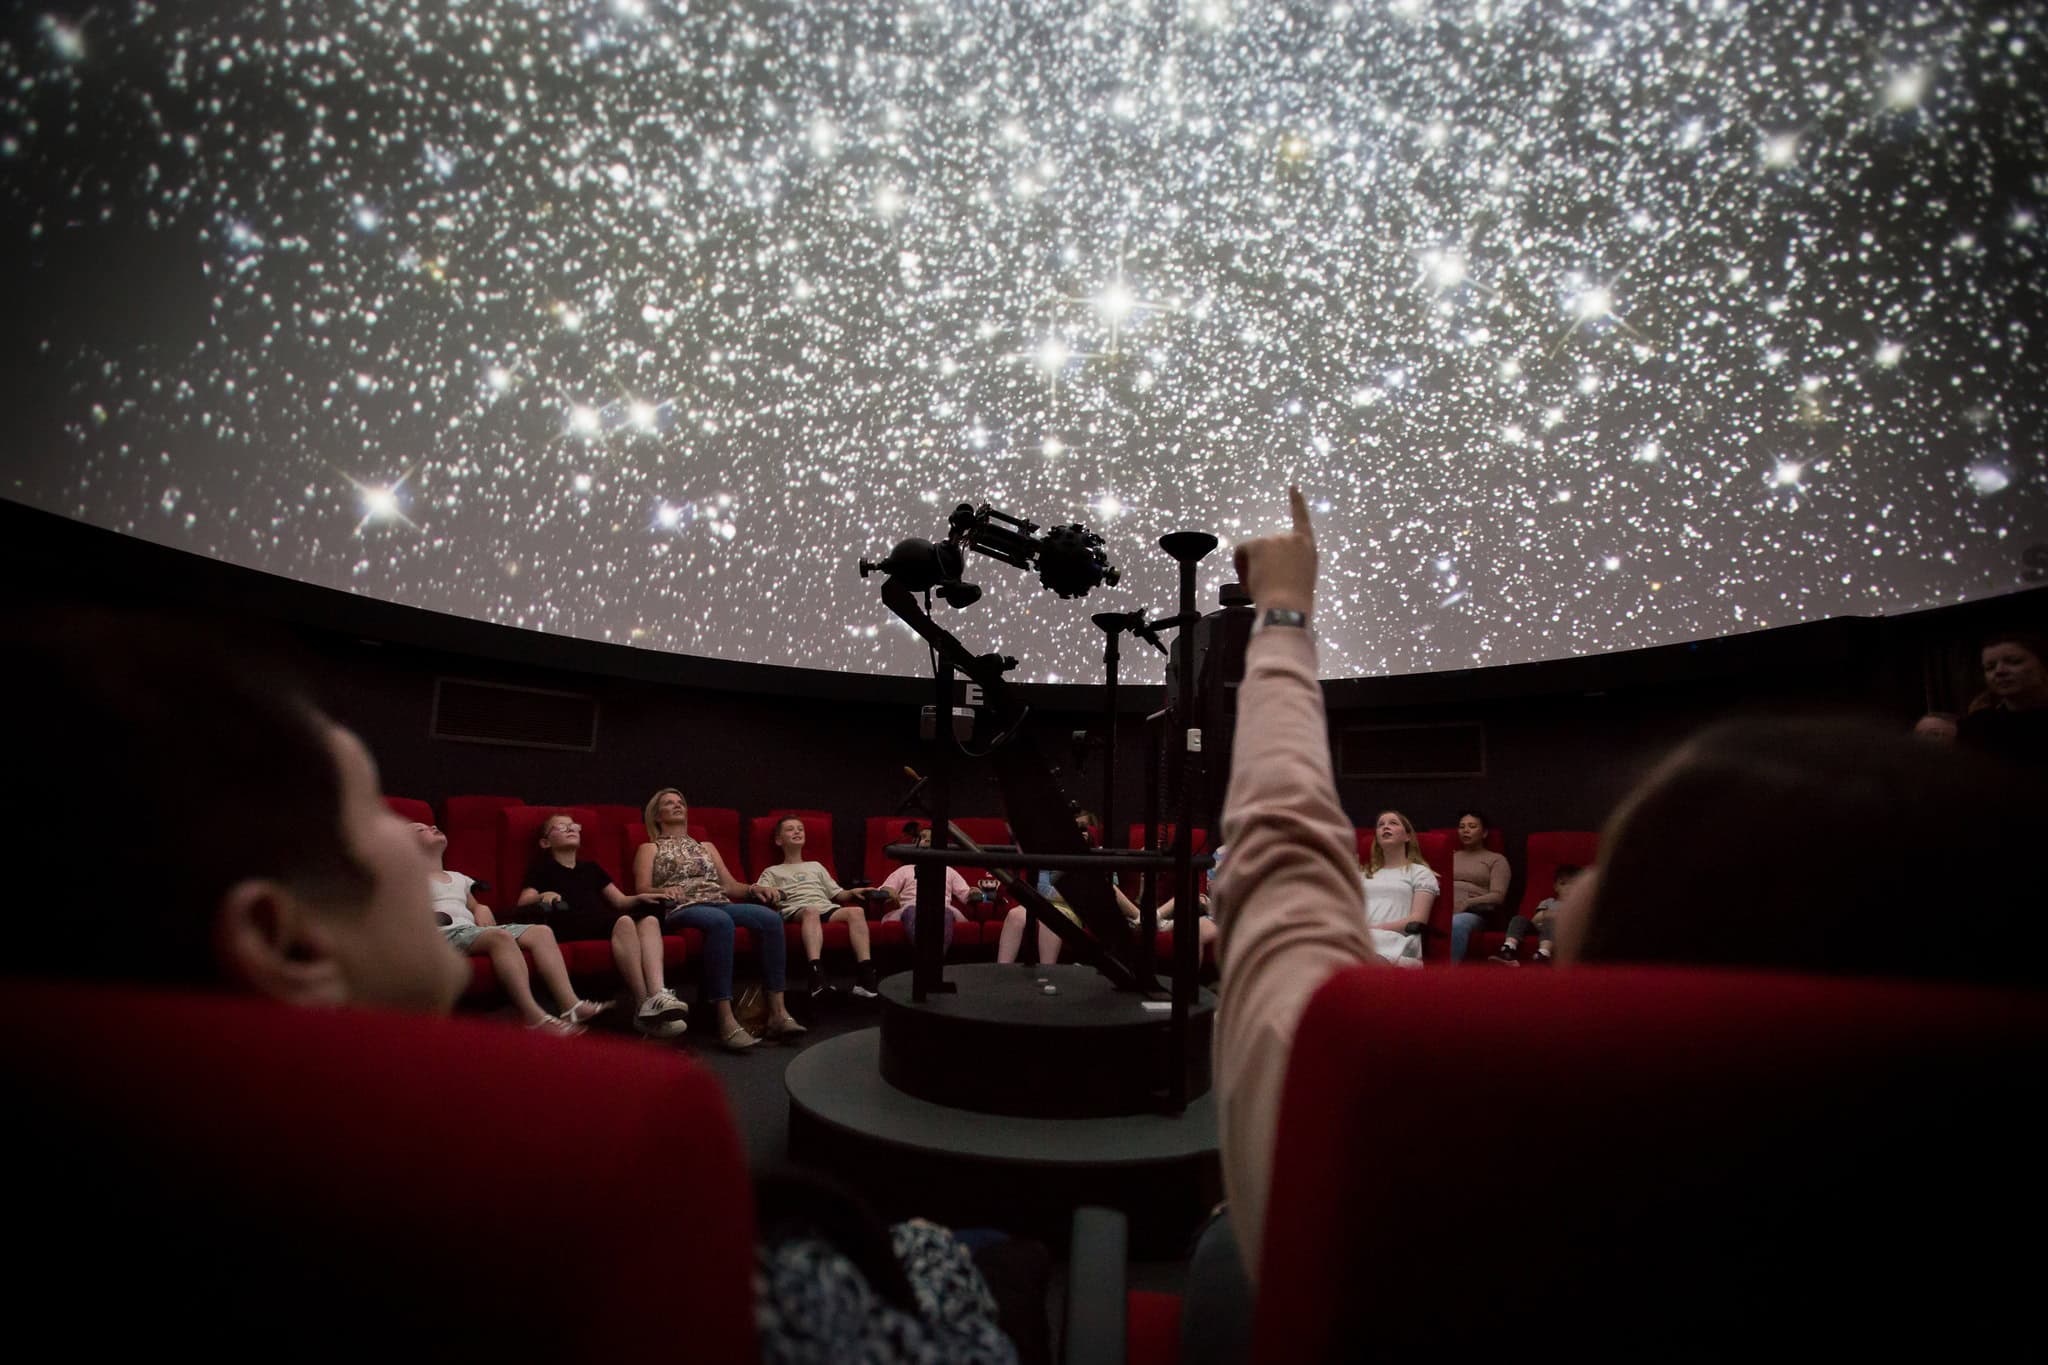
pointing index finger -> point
(1299, 506)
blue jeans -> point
(1463, 925)
(715, 920)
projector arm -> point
(1041, 814)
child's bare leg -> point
(856, 930)
(1013, 935)
(649, 930)
(626, 957)
(813, 934)
(539, 943)
(510, 966)
(1048, 947)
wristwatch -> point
(1283, 616)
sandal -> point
(785, 1027)
(583, 1011)
(738, 1040)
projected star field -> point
(1584, 325)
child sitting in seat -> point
(901, 888)
(811, 897)
(1543, 924)
(467, 924)
(580, 902)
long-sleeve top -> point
(1478, 874)
(1288, 907)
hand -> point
(767, 895)
(656, 898)
(1280, 571)
(1415, 926)
(550, 898)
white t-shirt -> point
(451, 897)
(1389, 896)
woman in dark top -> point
(579, 902)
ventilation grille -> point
(523, 717)
(1452, 749)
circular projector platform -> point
(1037, 1042)
(913, 1157)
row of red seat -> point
(1717, 1153)
(494, 838)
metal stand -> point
(1184, 758)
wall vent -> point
(523, 717)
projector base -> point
(913, 1158)
(1004, 1043)
(1001, 1105)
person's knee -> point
(538, 936)
(854, 914)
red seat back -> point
(320, 1184)
(1550, 849)
(471, 824)
(1438, 847)
(1721, 1158)
(761, 850)
(411, 809)
(519, 844)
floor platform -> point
(913, 1157)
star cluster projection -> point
(1585, 325)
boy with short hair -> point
(1543, 924)
(811, 897)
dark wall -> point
(1564, 740)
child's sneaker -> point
(661, 1016)
(1542, 958)
(1505, 957)
(864, 981)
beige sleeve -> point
(1287, 903)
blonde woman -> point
(1399, 890)
(704, 896)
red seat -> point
(471, 824)
(311, 1183)
(1725, 1159)
(761, 850)
(411, 810)
(1437, 848)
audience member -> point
(2013, 723)
(1543, 924)
(1936, 727)
(1400, 888)
(811, 897)
(1479, 883)
(268, 863)
(1664, 872)
(900, 887)
(1011, 941)
(701, 894)
(471, 930)
(578, 900)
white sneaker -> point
(664, 1005)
